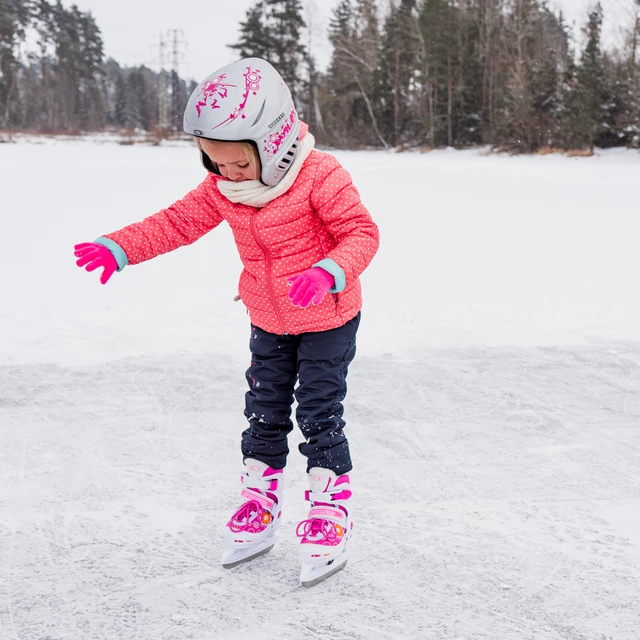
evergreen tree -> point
(516, 111)
(62, 83)
(484, 65)
(627, 87)
(289, 54)
(131, 96)
(120, 100)
(308, 102)
(273, 30)
(77, 69)
(634, 39)
(438, 72)
(468, 121)
(44, 110)
(395, 74)
(634, 81)
(15, 15)
(136, 104)
(340, 80)
(114, 93)
(625, 104)
(623, 72)
(550, 59)
(255, 37)
(588, 106)
(355, 36)
(341, 36)
(534, 48)
(439, 60)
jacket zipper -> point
(267, 255)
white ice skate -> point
(251, 532)
(326, 532)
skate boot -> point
(251, 531)
(325, 534)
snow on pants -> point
(318, 362)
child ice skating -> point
(304, 238)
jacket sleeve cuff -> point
(332, 267)
(116, 250)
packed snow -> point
(493, 408)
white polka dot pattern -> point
(321, 216)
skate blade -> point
(313, 574)
(234, 557)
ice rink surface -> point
(493, 409)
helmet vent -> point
(264, 102)
(288, 157)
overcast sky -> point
(131, 29)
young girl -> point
(304, 238)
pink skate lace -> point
(319, 531)
(250, 517)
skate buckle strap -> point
(263, 501)
(327, 496)
(326, 513)
(265, 484)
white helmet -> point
(247, 101)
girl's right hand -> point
(310, 287)
(93, 255)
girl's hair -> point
(249, 150)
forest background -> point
(409, 74)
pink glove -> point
(95, 255)
(311, 286)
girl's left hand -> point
(310, 287)
(92, 255)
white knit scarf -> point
(256, 194)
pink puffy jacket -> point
(320, 217)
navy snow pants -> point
(318, 362)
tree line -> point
(457, 73)
(54, 76)
(427, 73)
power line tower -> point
(162, 91)
(176, 96)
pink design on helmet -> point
(248, 100)
(252, 84)
(210, 89)
(273, 142)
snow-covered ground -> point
(493, 411)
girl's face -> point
(231, 159)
